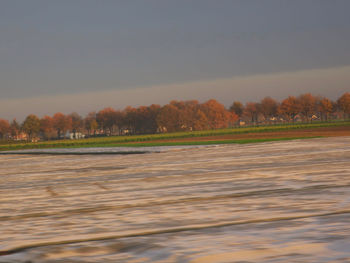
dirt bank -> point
(313, 132)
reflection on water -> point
(269, 202)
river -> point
(268, 202)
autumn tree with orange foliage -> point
(325, 107)
(146, 119)
(238, 108)
(129, 119)
(289, 108)
(307, 104)
(199, 121)
(90, 123)
(47, 127)
(169, 119)
(77, 123)
(62, 124)
(251, 111)
(31, 126)
(218, 117)
(193, 117)
(344, 104)
(268, 108)
(4, 128)
(108, 119)
(15, 128)
(182, 116)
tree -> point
(193, 118)
(289, 108)
(90, 123)
(268, 108)
(182, 116)
(199, 121)
(325, 107)
(15, 128)
(153, 112)
(169, 118)
(4, 128)
(237, 108)
(130, 119)
(107, 119)
(62, 124)
(307, 104)
(31, 126)
(344, 104)
(77, 123)
(218, 117)
(47, 127)
(251, 111)
(146, 119)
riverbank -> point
(222, 136)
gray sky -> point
(85, 55)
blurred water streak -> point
(268, 202)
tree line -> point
(177, 116)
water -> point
(267, 202)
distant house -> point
(185, 128)
(314, 117)
(22, 136)
(74, 135)
(124, 131)
(162, 129)
(241, 123)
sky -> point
(84, 55)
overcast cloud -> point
(84, 55)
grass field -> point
(220, 136)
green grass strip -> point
(115, 140)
